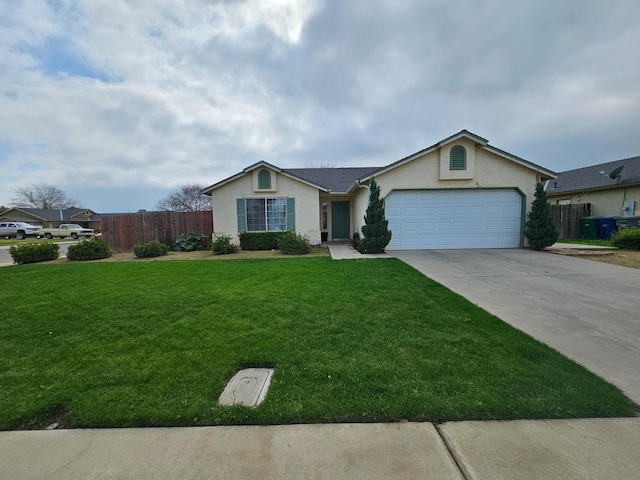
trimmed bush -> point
(292, 243)
(189, 241)
(627, 238)
(260, 240)
(222, 245)
(92, 249)
(34, 252)
(150, 249)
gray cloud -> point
(197, 93)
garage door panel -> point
(454, 219)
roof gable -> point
(480, 143)
(308, 176)
(590, 178)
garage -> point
(454, 219)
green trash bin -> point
(589, 228)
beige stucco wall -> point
(225, 217)
(604, 203)
(490, 171)
(354, 222)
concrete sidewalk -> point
(341, 251)
(547, 449)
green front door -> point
(340, 213)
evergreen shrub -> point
(260, 240)
(92, 249)
(540, 228)
(222, 245)
(292, 243)
(376, 229)
(628, 238)
(150, 249)
(34, 252)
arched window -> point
(264, 180)
(458, 158)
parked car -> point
(72, 230)
(19, 230)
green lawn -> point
(152, 343)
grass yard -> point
(152, 343)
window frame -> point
(273, 214)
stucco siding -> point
(225, 218)
(604, 203)
(359, 208)
(490, 171)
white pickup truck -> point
(72, 230)
(20, 230)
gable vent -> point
(458, 158)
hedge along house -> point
(458, 193)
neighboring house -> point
(459, 193)
(53, 218)
(618, 196)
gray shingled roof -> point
(337, 180)
(589, 178)
(57, 215)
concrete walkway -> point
(550, 449)
(341, 251)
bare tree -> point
(321, 165)
(187, 198)
(42, 195)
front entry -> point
(340, 227)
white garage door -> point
(444, 219)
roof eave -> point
(28, 213)
(551, 191)
(521, 161)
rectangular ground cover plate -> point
(248, 387)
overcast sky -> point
(120, 102)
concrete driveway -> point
(588, 310)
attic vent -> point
(458, 158)
(264, 180)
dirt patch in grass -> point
(624, 258)
(52, 418)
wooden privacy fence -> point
(122, 232)
(567, 218)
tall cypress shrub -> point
(376, 229)
(540, 228)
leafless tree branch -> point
(42, 195)
(186, 198)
